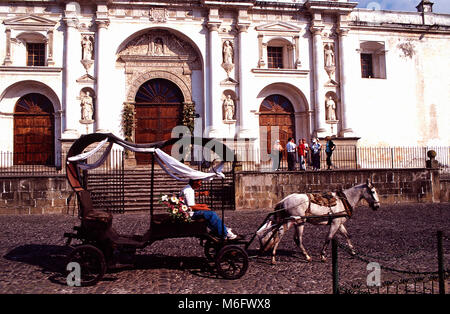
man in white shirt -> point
(291, 148)
(200, 211)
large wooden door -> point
(34, 131)
(276, 115)
(158, 111)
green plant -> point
(128, 121)
(189, 116)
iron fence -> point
(350, 157)
(252, 159)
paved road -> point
(399, 236)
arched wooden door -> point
(34, 129)
(276, 111)
(159, 104)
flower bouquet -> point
(178, 211)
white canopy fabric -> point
(180, 171)
(170, 165)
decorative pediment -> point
(277, 27)
(86, 79)
(29, 22)
(160, 46)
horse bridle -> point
(372, 192)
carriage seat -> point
(87, 211)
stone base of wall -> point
(34, 195)
(263, 190)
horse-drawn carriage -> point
(101, 247)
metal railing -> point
(250, 159)
(351, 157)
(31, 164)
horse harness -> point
(327, 199)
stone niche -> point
(159, 54)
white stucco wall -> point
(407, 108)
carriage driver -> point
(200, 211)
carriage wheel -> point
(211, 250)
(232, 262)
(92, 263)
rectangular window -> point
(35, 54)
(366, 65)
(275, 57)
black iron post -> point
(440, 263)
(152, 176)
(334, 265)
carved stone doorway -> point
(159, 105)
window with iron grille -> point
(366, 65)
(35, 54)
(275, 57)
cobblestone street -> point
(400, 236)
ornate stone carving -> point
(88, 47)
(227, 57)
(330, 63)
(87, 108)
(228, 109)
(158, 15)
(330, 105)
(159, 54)
(161, 43)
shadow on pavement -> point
(50, 258)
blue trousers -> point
(215, 224)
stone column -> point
(101, 110)
(71, 104)
(215, 59)
(261, 62)
(319, 71)
(50, 48)
(244, 69)
(7, 60)
(297, 61)
(344, 71)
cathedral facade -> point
(237, 70)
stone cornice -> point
(330, 6)
(295, 72)
(228, 3)
(30, 69)
(408, 28)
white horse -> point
(297, 209)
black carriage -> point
(102, 248)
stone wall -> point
(34, 195)
(254, 190)
(263, 190)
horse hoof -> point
(273, 262)
(352, 252)
(323, 258)
(308, 258)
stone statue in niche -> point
(227, 57)
(331, 109)
(228, 108)
(87, 108)
(329, 56)
(227, 52)
(158, 49)
(88, 48)
(330, 62)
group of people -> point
(302, 153)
